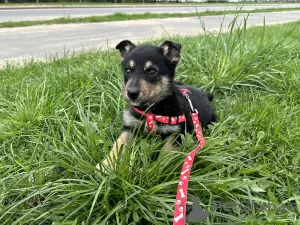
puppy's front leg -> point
(119, 145)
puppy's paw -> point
(105, 166)
(98, 166)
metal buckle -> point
(191, 104)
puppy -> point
(150, 89)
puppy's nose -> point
(133, 93)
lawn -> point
(59, 118)
(122, 16)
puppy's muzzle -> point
(133, 93)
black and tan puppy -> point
(149, 86)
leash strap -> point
(181, 196)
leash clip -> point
(191, 104)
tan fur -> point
(161, 90)
(170, 54)
(131, 64)
(175, 59)
(126, 88)
(148, 64)
(146, 89)
(127, 48)
(166, 49)
(120, 144)
(150, 92)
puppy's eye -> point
(152, 72)
(127, 71)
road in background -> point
(41, 42)
(46, 13)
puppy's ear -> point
(125, 47)
(171, 51)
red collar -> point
(150, 117)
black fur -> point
(166, 99)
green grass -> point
(59, 118)
(122, 16)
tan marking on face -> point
(126, 88)
(165, 81)
(155, 92)
(146, 89)
(131, 64)
(150, 93)
(148, 64)
(162, 85)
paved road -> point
(55, 40)
(50, 13)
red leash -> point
(181, 196)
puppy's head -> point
(148, 71)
